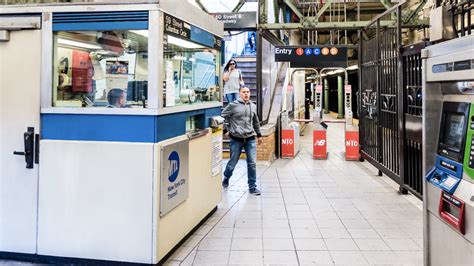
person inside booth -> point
(116, 98)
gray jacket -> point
(241, 119)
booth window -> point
(100, 69)
(191, 72)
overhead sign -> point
(178, 28)
(312, 56)
(174, 175)
(237, 21)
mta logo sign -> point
(173, 160)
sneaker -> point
(254, 191)
(225, 182)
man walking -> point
(242, 126)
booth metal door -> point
(19, 110)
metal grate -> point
(412, 85)
(461, 11)
(379, 123)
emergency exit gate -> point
(390, 106)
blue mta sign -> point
(173, 160)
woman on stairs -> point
(232, 81)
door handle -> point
(29, 140)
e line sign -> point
(312, 56)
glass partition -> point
(100, 69)
(190, 73)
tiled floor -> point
(310, 213)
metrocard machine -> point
(448, 155)
(108, 149)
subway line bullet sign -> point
(312, 56)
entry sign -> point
(237, 21)
(312, 56)
(174, 175)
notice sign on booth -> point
(174, 175)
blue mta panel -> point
(121, 128)
(126, 128)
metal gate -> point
(390, 106)
(379, 124)
(412, 93)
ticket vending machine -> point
(448, 152)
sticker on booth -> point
(174, 175)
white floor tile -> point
(218, 232)
(278, 244)
(204, 257)
(341, 244)
(381, 257)
(363, 233)
(247, 233)
(310, 244)
(306, 233)
(402, 244)
(246, 244)
(215, 244)
(314, 258)
(276, 233)
(280, 257)
(371, 244)
(348, 258)
(246, 257)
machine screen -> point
(453, 131)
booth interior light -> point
(183, 43)
(78, 44)
(143, 33)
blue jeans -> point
(251, 153)
(232, 96)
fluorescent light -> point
(183, 43)
(143, 33)
(78, 44)
(353, 67)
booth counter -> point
(115, 158)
